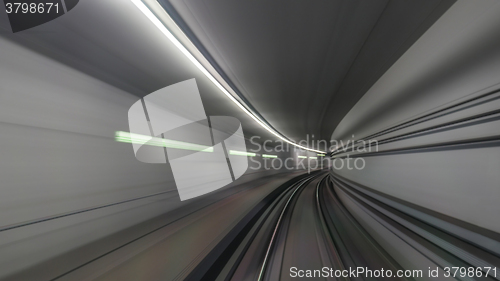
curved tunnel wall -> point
(433, 172)
(435, 117)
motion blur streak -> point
(411, 88)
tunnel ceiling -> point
(304, 64)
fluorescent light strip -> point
(269, 156)
(313, 157)
(153, 141)
(322, 155)
(145, 10)
(303, 157)
(241, 153)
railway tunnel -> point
(250, 140)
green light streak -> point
(269, 156)
(321, 155)
(313, 157)
(300, 156)
(154, 141)
(241, 153)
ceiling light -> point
(150, 15)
